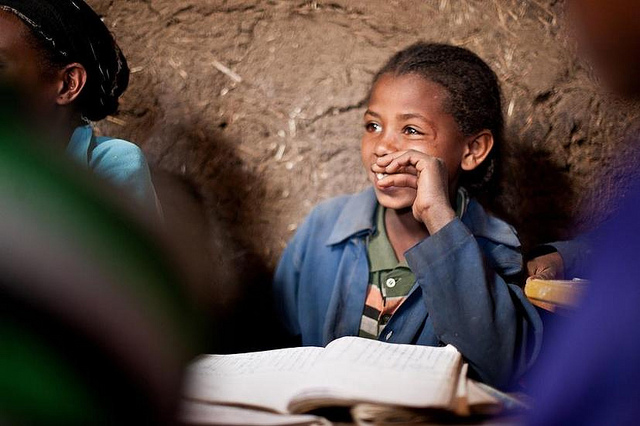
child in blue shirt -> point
(431, 130)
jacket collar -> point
(483, 225)
(358, 216)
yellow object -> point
(554, 294)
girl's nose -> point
(386, 144)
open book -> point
(347, 372)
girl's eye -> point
(411, 131)
(372, 127)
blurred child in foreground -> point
(590, 374)
(96, 322)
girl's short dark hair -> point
(474, 98)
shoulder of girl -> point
(105, 142)
(112, 153)
(106, 146)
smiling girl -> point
(415, 259)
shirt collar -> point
(462, 202)
(381, 254)
(79, 144)
(358, 216)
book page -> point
(363, 370)
(200, 413)
(259, 379)
(461, 400)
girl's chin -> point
(396, 200)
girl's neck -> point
(67, 125)
(403, 230)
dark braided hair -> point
(68, 31)
(473, 95)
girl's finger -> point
(400, 179)
(385, 160)
(409, 158)
(408, 169)
(377, 169)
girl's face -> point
(406, 113)
(22, 67)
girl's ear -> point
(476, 150)
(72, 79)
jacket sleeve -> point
(286, 283)
(576, 256)
(472, 307)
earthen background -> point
(241, 156)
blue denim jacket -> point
(461, 296)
